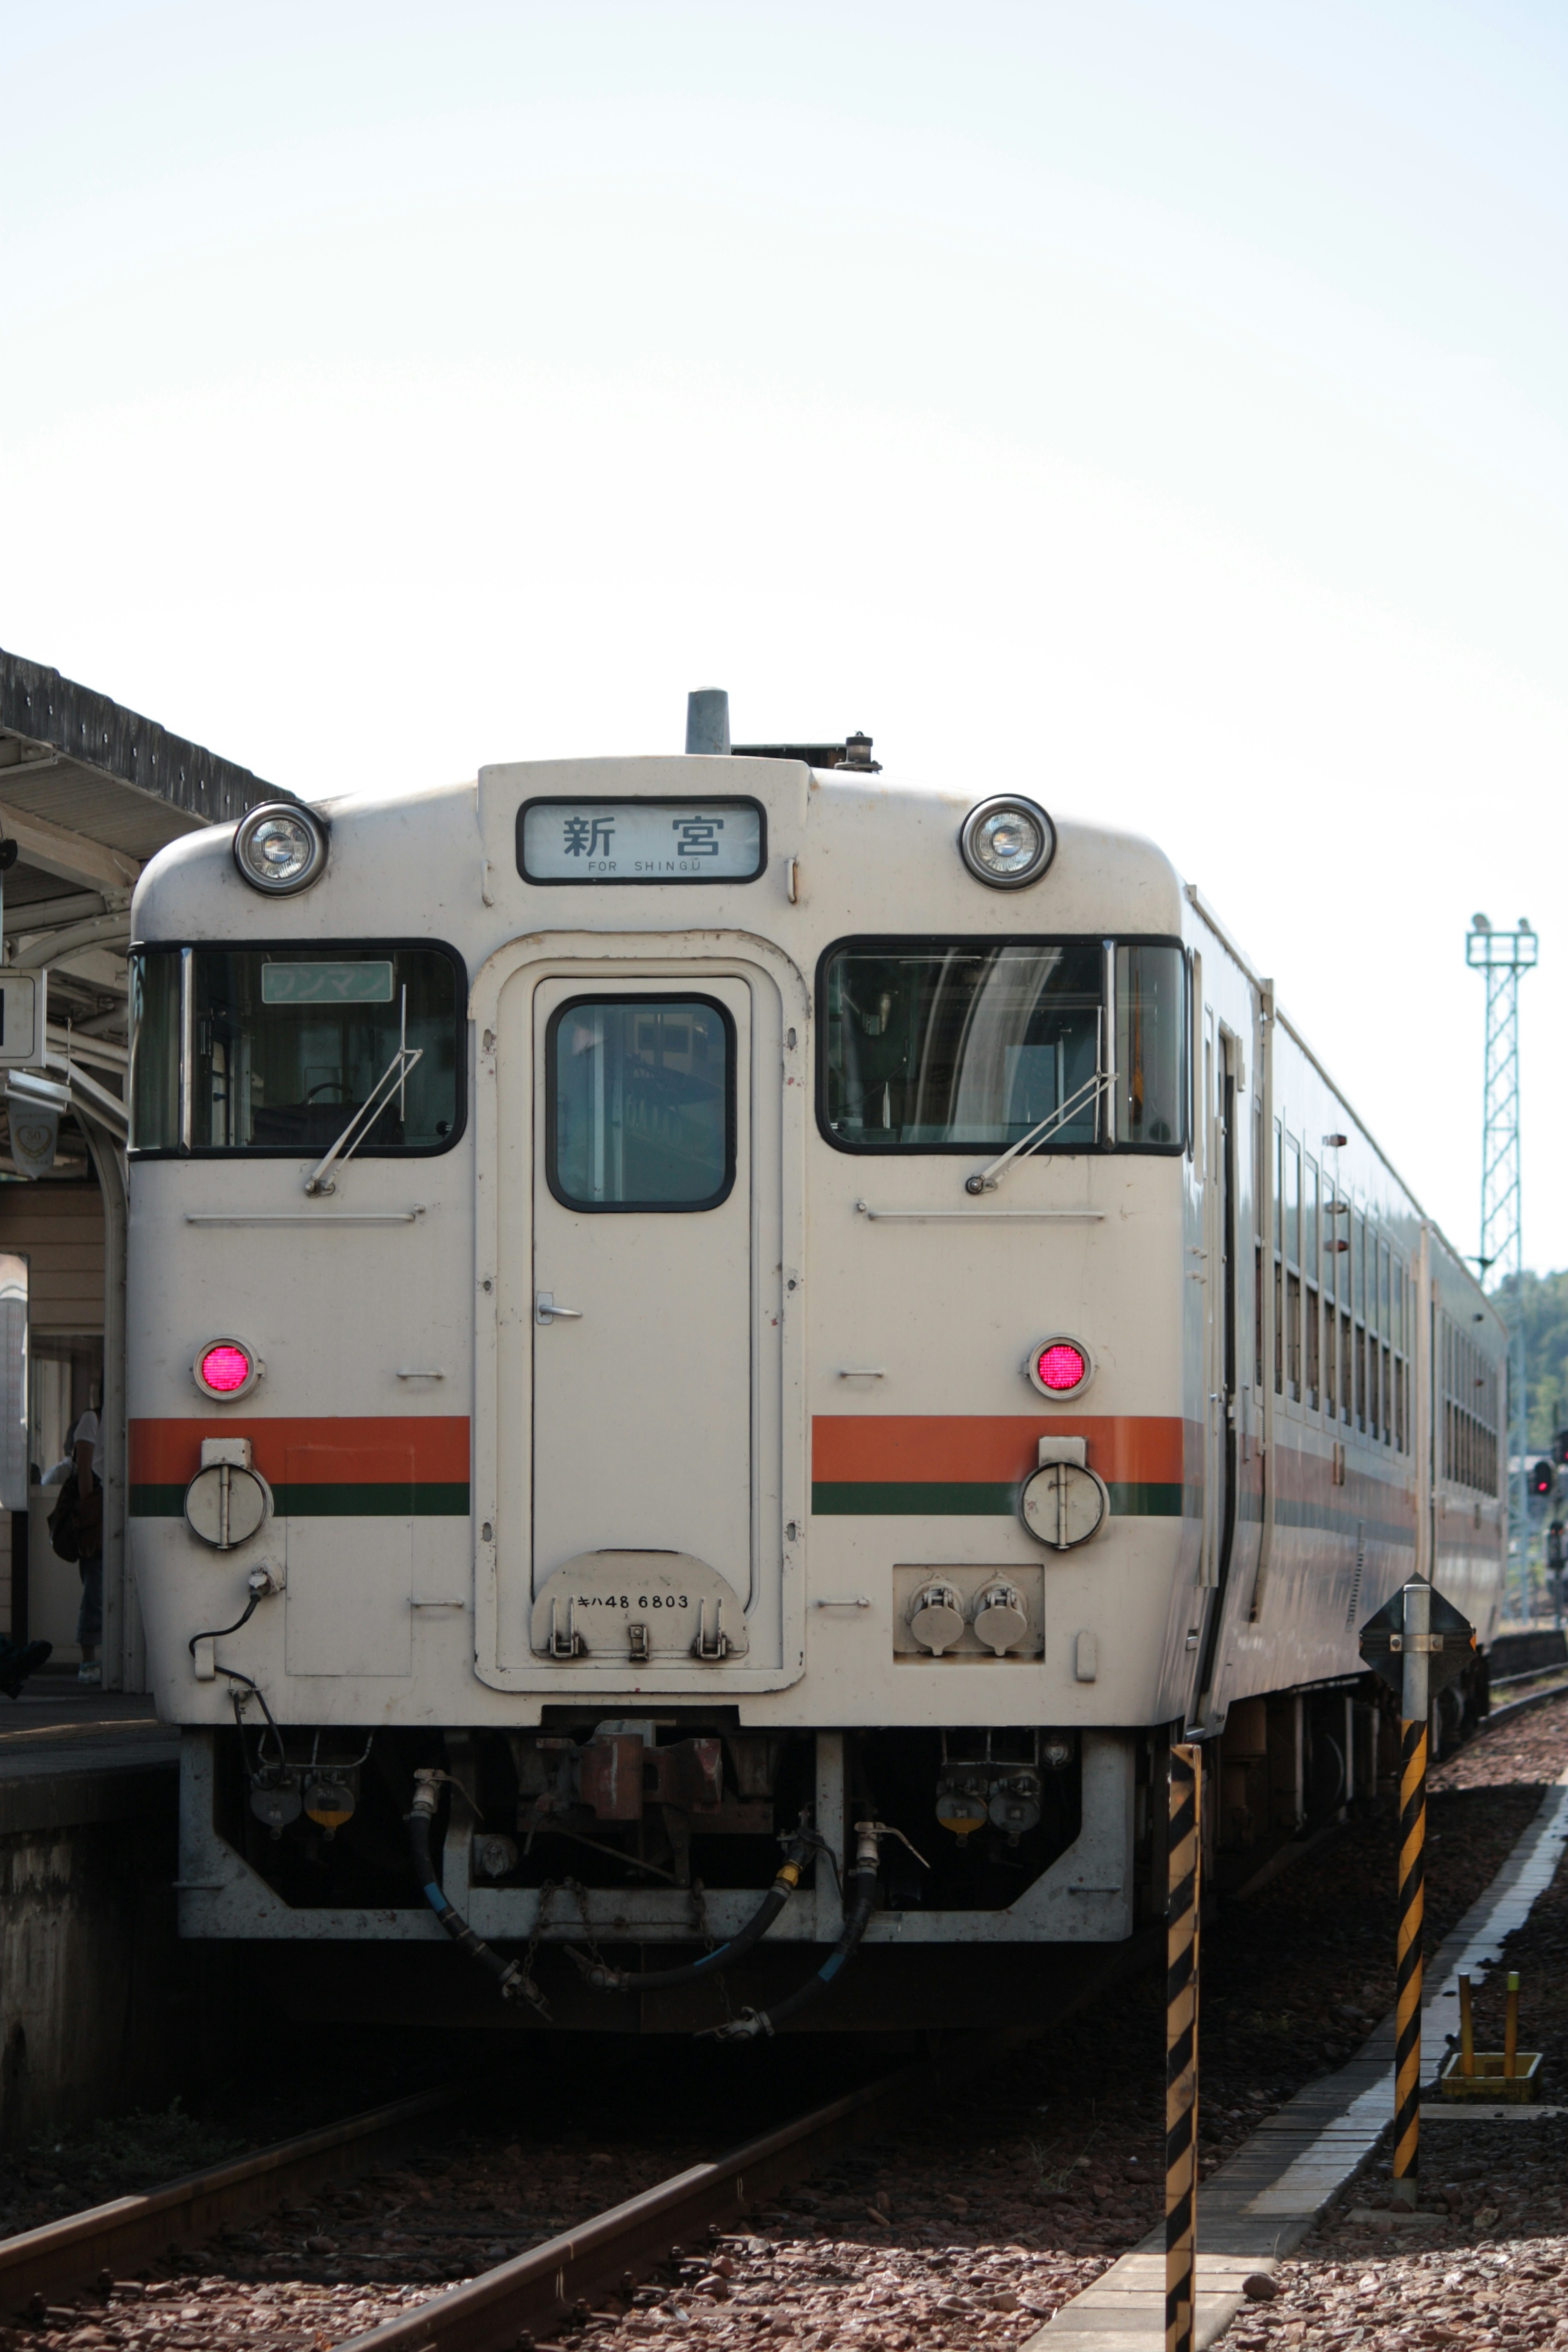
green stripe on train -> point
(852, 1498)
(435, 1500)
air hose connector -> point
(860, 1902)
(799, 1845)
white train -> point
(680, 1306)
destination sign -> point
(326, 983)
(640, 841)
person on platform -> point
(17, 1661)
(87, 1450)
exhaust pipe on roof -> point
(708, 721)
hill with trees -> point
(1545, 1302)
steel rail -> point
(130, 2231)
(532, 2290)
(538, 2289)
(1517, 1706)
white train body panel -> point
(809, 1395)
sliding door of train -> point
(1223, 1401)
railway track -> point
(535, 2290)
(546, 2285)
(111, 2240)
(618, 2248)
(664, 2233)
(1527, 1698)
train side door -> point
(643, 1276)
(1221, 1404)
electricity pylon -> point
(1503, 956)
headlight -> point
(280, 848)
(1007, 842)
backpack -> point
(76, 1523)
(64, 1538)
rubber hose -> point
(508, 1974)
(607, 1980)
(757, 2022)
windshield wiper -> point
(354, 1133)
(986, 1179)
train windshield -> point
(283, 1045)
(930, 1046)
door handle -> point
(545, 1310)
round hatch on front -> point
(224, 1504)
(1064, 1504)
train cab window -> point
(274, 1050)
(966, 1044)
(155, 1051)
(640, 1103)
(1151, 1014)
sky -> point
(1159, 407)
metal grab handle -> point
(545, 1310)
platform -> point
(68, 1755)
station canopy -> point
(88, 792)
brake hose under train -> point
(511, 1975)
(860, 1888)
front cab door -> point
(639, 1459)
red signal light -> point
(1061, 1367)
(224, 1369)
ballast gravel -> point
(979, 2221)
(1487, 2260)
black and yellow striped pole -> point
(1413, 1704)
(1184, 1852)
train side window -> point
(275, 1049)
(1328, 1259)
(1293, 1268)
(1257, 1198)
(1311, 1260)
(640, 1103)
(1279, 1260)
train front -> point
(659, 1315)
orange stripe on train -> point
(940, 1448)
(369, 1448)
